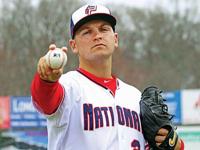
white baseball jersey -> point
(91, 118)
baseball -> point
(56, 59)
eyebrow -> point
(84, 27)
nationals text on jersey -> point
(95, 117)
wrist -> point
(182, 145)
(50, 79)
(179, 145)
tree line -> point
(158, 46)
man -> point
(90, 109)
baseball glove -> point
(154, 116)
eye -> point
(85, 32)
(105, 28)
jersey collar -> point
(107, 83)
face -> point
(94, 41)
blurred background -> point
(159, 45)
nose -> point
(97, 34)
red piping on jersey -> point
(107, 83)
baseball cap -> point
(90, 12)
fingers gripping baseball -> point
(50, 67)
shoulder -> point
(70, 81)
(130, 96)
(70, 74)
(70, 77)
(127, 88)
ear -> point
(73, 46)
(116, 40)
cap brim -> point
(106, 17)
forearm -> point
(47, 96)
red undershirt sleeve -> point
(46, 96)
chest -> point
(100, 109)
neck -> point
(99, 69)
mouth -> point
(99, 45)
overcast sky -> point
(165, 4)
(137, 3)
(183, 4)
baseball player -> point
(89, 108)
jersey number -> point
(135, 145)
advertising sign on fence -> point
(191, 106)
(24, 115)
(4, 112)
(191, 136)
(173, 100)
